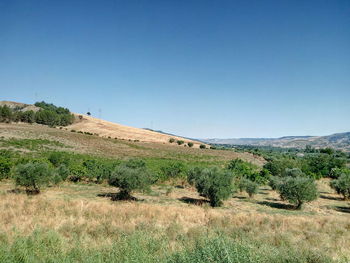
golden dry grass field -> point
(87, 212)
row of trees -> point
(189, 144)
(49, 114)
(214, 183)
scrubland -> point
(170, 222)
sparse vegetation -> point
(190, 144)
(171, 140)
(202, 146)
(167, 207)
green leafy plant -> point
(173, 169)
(130, 176)
(213, 183)
(33, 176)
(342, 185)
(251, 188)
(180, 142)
(298, 190)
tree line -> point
(49, 114)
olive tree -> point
(33, 176)
(342, 185)
(298, 190)
(212, 183)
(129, 176)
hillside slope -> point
(114, 130)
(107, 129)
(25, 137)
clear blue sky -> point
(195, 68)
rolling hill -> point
(339, 141)
(103, 128)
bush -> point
(173, 170)
(33, 176)
(62, 172)
(171, 140)
(58, 158)
(263, 177)
(242, 184)
(193, 174)
(298, 190)
(6, 163)
(215, 184)
(180, 142)
(130, 176)
(28, 116)
(190, 144)
(342, 185)
(98, 170)
(278, 166)
(274, 182)
(5, 168)
(337, 172)
(242, 169)
(77, 172)
(202, 146)
(292, 172)
(251, 188)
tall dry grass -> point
(97, 224)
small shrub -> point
(62, 171)
(180, 142)
(130, 176)
(242, 183)
(298, 190)
(202, 146)
(337, 172)
(190, 144)
(251, 188)
(33, 176)
(97, 170)
(173, 170)
(274, 182)
(77, 172)
(342, 185)
(6, 163)
(292, 172)
(58, 158)
(171, 140)
(193, 174)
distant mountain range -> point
(339, 141)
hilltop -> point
(103, 128)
